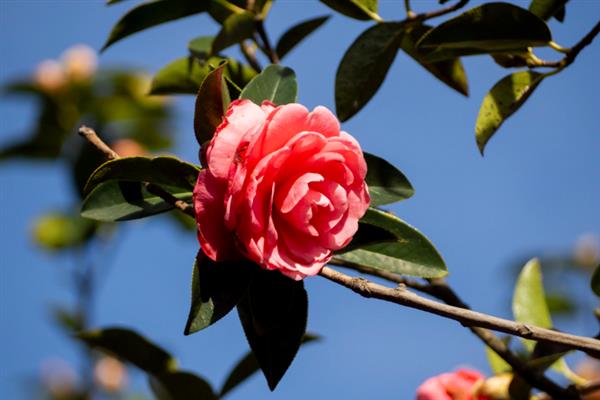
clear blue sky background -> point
(536, 190)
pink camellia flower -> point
(283, 187)
(458, 385)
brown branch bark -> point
(91, 136)
(400, 295)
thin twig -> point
(439, 289)
(437, 13)
(267, 48)
(469, 318)
(95, 140)
(250, 56)
(573, 52)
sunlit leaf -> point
(410, 254)
(364, 67)
(546, 9)
(505, 98)
(150, 14)
(358, 9)
(131, 347)
(297, 33)
(201, 46)
(273, 314)
(275, 83)
(58, 231)
(217, 287)
(489, 28)
(386, 183)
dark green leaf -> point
(368, 234)
(220, 10)
(217, 287)
(109, 2)
(595, 283)
(410, 254)
(373, 51)
(131, 347)
(386, 183)
(546, 9)
(153, 13)
(505, 98)
(359, 9)
(529, 302)
(211, 103)
(560, 14)
(235, 29)
(275, 83)
(125, 200)
(248, 365)
(180, 385)
(201, 46)
(163, 170)
(450, 71)
(489, 28)
(273, 314)
(57, 231)
(297, 33)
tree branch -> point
(267, 48)
(437, 13)
(439, 289)
(571, 54)
(92, 137)
(468, 318)
(250, 56)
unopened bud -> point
(110, 374)
(80, 62)
(50, 76)
(496, 387)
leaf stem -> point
(92, 137)
(268, 49)
(409, 12)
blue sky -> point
(536, 191)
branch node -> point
(361, 286)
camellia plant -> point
(281, 193)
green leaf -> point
(410, 254)
(497, 363)
(595, 282)
(546, 9)
(560, 14)
(248, 365)
(131, 347)
(450, 71)
(217, 287)
(358, 9)
(182, 76)
(211, 103)
(150, 14)
(529, 302)
(275, 83)
(273, 314)
(110, 2)
(163, 171)
(373, 51)
(386, 183)
(505, 98)
(297, 33)
(235, 29)
(489, 28)
(125, 200)
(58, 231)
(220, 10)
(180, 385)
(201, 46)
(368, 234)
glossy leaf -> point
(529, 302)
(373, 51)
(386, 183)
(595, 282)
(150, 14)
(211, 103)
(126, 200)
(505, 98)
(131, 347)
(235, 29)
(410, 254)
(201, 46)
(450, 71)
(248, 365)
(58, 231)
(358, 9)
(217, 287)
(275, 83)
(491, 27)
(273, 314)
(180, 385)
(297, 33)
(368, 234)
(546, 9)
(162, 170)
